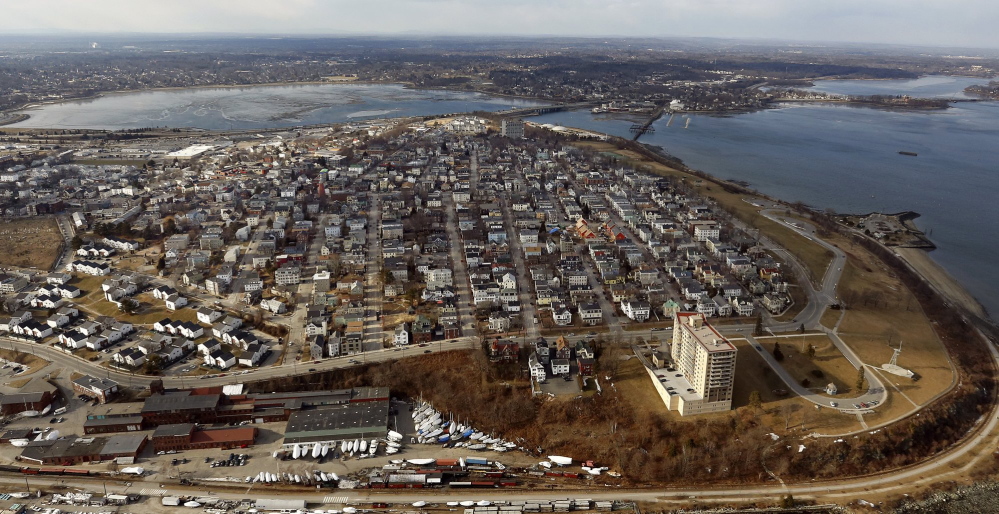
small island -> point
(990, 90)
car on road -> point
(427, 351)
(833, 404)
(311, 370)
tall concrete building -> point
(513, 129)
(707, 362)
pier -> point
(640, 130)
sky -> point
(958, 23)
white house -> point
(175, 301)
(636, 310)
(401, 337)
(208, 316)
(560, 366)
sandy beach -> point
(940, 279)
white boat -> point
(419, 504)
(394, 436)
(343, 446)
(421, 462)
(298, 479)
(484, 503)
(333, 477)
(393, 444)
(479, 446)
(391, 451)
(434, 433)
(322, 476)
(496, 448)
(452, 504)
(510, 445)
(296, 451)
(317, 450)
(397, 461)
(260, 477)
(561, 461)
(46, 409)
(452, 428)
(30, 414)
(476, 436)
(545, 464)
(20, 443)
(349, 510)
(373, 447)
(192, 504)
(325, 450)
(364, 446)
(356, 445)
(467, 503)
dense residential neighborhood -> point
(232, 253)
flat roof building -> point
(330, 424)
(707, 361)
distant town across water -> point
(828, 156)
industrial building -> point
(188, 436)
(37, 394)
(68, 451)
(361, 420)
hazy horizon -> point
(925, 23)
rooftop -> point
(350, 421)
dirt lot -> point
(29, 243)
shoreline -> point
(918, 259)
(937, 277)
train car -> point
(29, 471)
(77, 472)
(51, 471)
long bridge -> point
(544, 109)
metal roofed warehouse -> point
(364, 420)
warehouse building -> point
(187, 436)
(360, 420)
(71, 451)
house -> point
(590, 313)
(504, 351)
(499, 322)
(220, 359)
(773, 303)
(273, 305)
(636, 310)
(253, 355)
(209, 347)
(562, 316)
(208, 316)
(537, 369)
(401, 336)
(130, 357)
(422, 329)
(560, 366)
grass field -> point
(29, 243)
(150, 310)
(828, 360)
